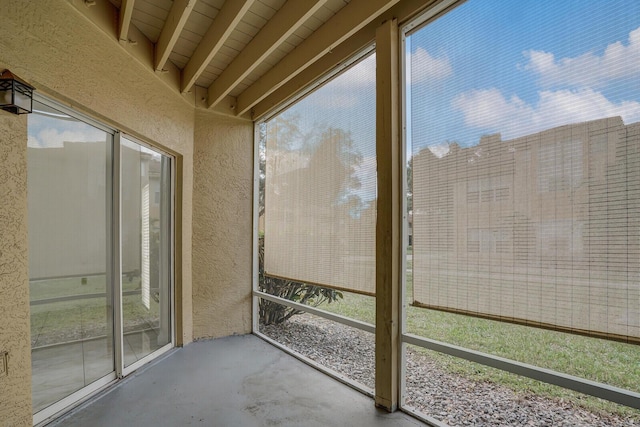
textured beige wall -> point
(15, 389)
(50, 45)
(222, 218)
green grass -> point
(82, 318)
(604, 361)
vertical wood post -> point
(388, 226)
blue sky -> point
(49, 128)
(518, 67)
(496, 66)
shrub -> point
(273, 313)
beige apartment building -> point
(537, 229)
(73, 173)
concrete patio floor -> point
(239, 381)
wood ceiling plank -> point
(198, 23)
(171, 31)
(287, 20)
(340, 56)
(126, 12)
(223, 24)
(156, 9)
(349, 20)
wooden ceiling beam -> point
(285, 22)
(338, 59)
(171, 30)
(223, 25)
(126, 11)
(348, 21)
(340, 56)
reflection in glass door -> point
(145, 229)
(70, 297)
(100, 246)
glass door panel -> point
(71, 300)
(145, 227)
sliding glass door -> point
(71, 306)
(146, 209)
(100, 227)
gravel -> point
(448, 397)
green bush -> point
(273, 313)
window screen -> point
(525, 134)
(320, 187)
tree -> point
(274, 313)
(319, 147)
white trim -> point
(603, 391)
(146, 359)
(255, 257)
(72, 113)
(363, 326)
(172, 249)
(64, 405)
(115, 281)
(429, 16)
(146, 145)
(402, 289)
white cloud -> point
(440, 150)
(616, 62)
(53, 138)
(490, 111)
(426, 68)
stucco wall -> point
(222, 218)
(15, 389)
(52, 46)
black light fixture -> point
(16, 96)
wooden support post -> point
(389, 224)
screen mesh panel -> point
(320, 186)
(525, 133)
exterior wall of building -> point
(53, 47)
(15, 386)
(222, 217)
(67, 174)
(537, 229)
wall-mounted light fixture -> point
(16, 96)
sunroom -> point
(435, 203)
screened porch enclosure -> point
(525, 238)
(435, 203)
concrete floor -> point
(238, 381)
